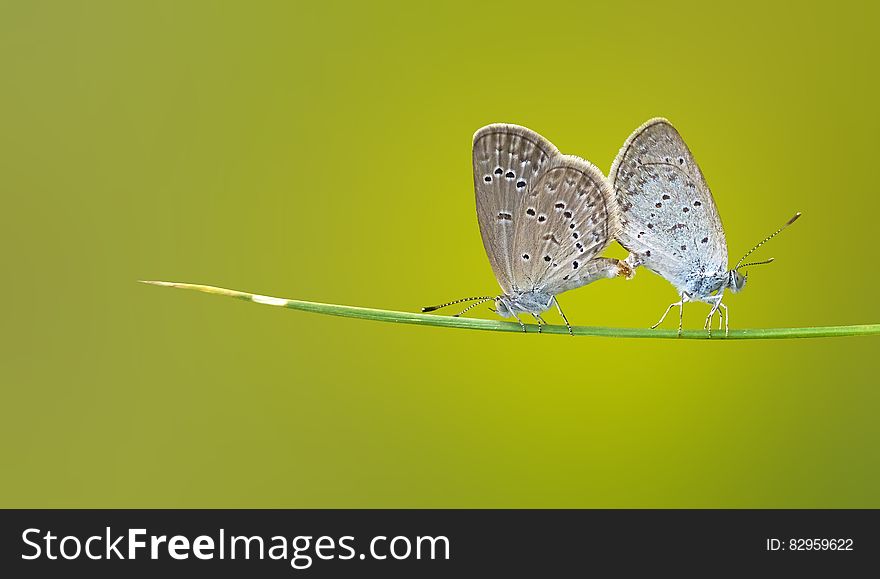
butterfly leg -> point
(677, 304)
(564, 319)
(680, 314)
(708, 324)
(540, 321)
(521, 324)
(726, 319)
(716, 303)
(720, 319)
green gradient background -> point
(323, 153)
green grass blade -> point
(500, 326)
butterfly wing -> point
(566, 219)
(508, 160)
(667, 214)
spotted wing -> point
(508, 160)
(667, 214)
(567, 218)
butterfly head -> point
(501, 307)
(736, 281)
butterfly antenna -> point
(766, 239)
(432, 308)
(470, 307)
(756, 263)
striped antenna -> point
(766, 239)
(432, 308)
(756, 263)
(472, 306)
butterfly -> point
(544, 217)
(669, 221)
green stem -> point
(499, 326)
